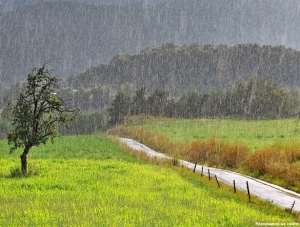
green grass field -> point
(255, 134)
(90, 181)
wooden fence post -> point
(292, 207)
(195, 167)
(202, 171)
(208, 174)
(248, 190)
(217, 180)
(234, 189)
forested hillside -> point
(179, 69)
(76, 36)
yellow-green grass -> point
(90, 181)
(255, 134)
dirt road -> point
(266, 191)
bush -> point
(233, 155)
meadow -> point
(90, 181)
(255, 134)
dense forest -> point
(179, 69)
(76, 36)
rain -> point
(78, 35)
(125, 61)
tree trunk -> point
(24, 160)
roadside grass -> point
(276, 159)
(90, 181)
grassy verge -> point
(90, 181)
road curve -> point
(264, 190)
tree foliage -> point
(37, 112)
(120, 108)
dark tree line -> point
(255, 99)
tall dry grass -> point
(279, 161)
(219, 153)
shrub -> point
(292, 175)
(233, 155)
(221, 153)
(205, 151)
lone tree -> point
(37, 112)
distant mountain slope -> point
(76, 36)
(203, 68)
